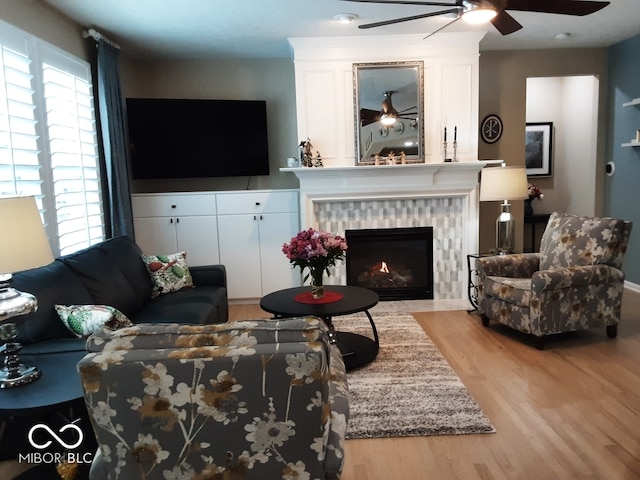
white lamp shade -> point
(503, 183)
(23, 241)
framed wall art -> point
(539, 149)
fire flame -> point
(384, 268)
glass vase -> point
(317, 288)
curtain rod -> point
(96, 35)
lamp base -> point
(15, 373)
(21, 376)
(505, 230)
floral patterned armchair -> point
(574, 283)
(263, 399)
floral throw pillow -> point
(168, 273)
(84, 320)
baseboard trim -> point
(634, 287)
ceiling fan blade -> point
(563, 7)
(407, 19)
(457, 3)
(505, 23)
(443, 27)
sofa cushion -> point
(51, 284)
(104, 280)
(198, 305)
(83, 320)
(575, 241)
(125, 253)
(197, 313)
(168, 273)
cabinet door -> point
(277, 273)
(240, 254)
(156, 235)
(198, 236)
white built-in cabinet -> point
(252, 228)
(171, 223)
(242, 230)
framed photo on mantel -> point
(539, 149)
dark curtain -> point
(111, 112)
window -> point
(48, 139)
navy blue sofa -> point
(112, 273)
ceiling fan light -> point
(346, 17)
(388, 119)
(477, 14)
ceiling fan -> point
(388, 114)
(494, 11)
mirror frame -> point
(408, 88)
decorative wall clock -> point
(491, 128)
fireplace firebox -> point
(397, 263)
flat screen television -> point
(185, 138)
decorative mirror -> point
(388, 100)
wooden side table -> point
(55, 399)
(473, 274)
(534, 220)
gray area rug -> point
(410, 389)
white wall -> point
(571, 103)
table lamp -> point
(24, 245)
(504, 184)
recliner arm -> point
(574, 277)
(518, 265)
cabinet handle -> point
(177, 220)
(171, 220)
(257, 204)
(173, 206)
(260, 217)
(255, 218)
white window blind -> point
(48, 140)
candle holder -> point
(444, 147)
(455, 150)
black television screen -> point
(184, 138)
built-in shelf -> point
(632, 143)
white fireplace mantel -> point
(374, 182)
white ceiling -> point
(260, 28)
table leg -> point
(332, 330)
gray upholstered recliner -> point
(262, 399)
(574, 283)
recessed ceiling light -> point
(562, 36)
(346, 17)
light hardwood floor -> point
(571, 411)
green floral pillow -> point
(84, 320)
(169, 273)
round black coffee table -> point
(357, 350)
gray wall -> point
(39, 19)
(503, 82)
(622, 193)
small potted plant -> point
(316, 251)
(534, 192)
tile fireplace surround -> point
(441, 195)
